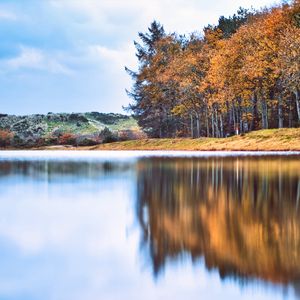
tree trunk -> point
(241, 120)
(297, 94)
(280, 112)
(264, 109)
(290, 114)
(212, 123)
(221, 126)
(192, 126)
(207, 121)
(216, 124)
(229, 127)
(234, 119)
(198, 125)
(255, 118)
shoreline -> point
(113, 149)
(132, 156)
(271, 140)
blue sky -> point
(69, 55)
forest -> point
(240, 75)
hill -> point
(39, 129)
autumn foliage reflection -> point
(240, 214)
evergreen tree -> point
(230, 25)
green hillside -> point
(49, 128)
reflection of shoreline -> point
(241, 215)
(58, 169)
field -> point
(262, 140)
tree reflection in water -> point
(241, 214)
(55, 170)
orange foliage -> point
(250, 80)
(67, 139)
(5, 138)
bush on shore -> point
(6, 138)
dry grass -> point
(263, 140)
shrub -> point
(126, 135)
(5, 138)
(107, 136)
(17, 141)
(40, 142)
(78, 118)
(87, 142)
(52, 140)
(67, 139)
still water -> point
(133, 226)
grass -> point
(93, 126)
(124, 125)
(85, 128)
(262, 140)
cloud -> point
(7, 15)
(91, 40)
(36, 59)
(177, 15)
(29, 57)
(114, 57)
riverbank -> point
(262, 140)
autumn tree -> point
(239, 75)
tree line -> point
(240, 75)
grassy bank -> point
(263, 140)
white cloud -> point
(118, 57)
(29, 57)
(177, 15)
(92, 40)
(7, 15)
(32, 58)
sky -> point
(69, 55)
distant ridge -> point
(30, 129)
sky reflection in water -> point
(150, 228)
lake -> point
(145, 225)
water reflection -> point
(63, 229)
(241, 215)
(72, 229)
(54, 169)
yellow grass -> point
(263, 140)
